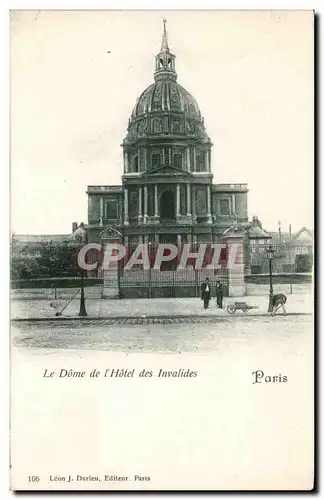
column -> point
(178, 200)
(206, 161)
(125, 162)
(145, 204)
(126, 222)
(163, 156)
(194, 160)
(209, 218)
(145, 160)
(101, 211)
(194, 214)
(233, 204)
(247, 254)
(188, 159)
(139, 160)
(156, 211)
(140, 204)
(179, 240)
(170, 157)
(188, 200)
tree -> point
(45, 259)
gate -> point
(170, 281)
(153, 283)
(166, 282)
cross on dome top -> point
(164, 46)
(165, 61)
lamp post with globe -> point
(270, 255)
(82, 310)
(150, 270)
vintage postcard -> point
(162, 234)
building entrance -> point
(167, 205)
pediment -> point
(109, 232)
(167, 169)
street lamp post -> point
(270, 254)
(150, 271)
(82, 311)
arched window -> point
(156, 160)
(177, 160)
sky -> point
(75, 78)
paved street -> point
(182, 336)
(105, 308)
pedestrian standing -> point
(219, 294)
(205, 293)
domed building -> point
(167, 192)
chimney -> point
(74, 226)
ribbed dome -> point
(166, 95)
(165, 109)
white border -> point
(5, 6)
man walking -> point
(205, 293)
(219, 294)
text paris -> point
(259, 376)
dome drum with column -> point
(167, 181)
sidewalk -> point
(105, 308)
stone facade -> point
(167, 192)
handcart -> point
(239, 306)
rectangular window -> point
(133, 203)
(136, 163)
(200, 166)
(224, 207)
(201, 201)
(177, 160)
(112, 209)
(156, 160)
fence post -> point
(196, 282)
(118, 281)
(150, 284)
